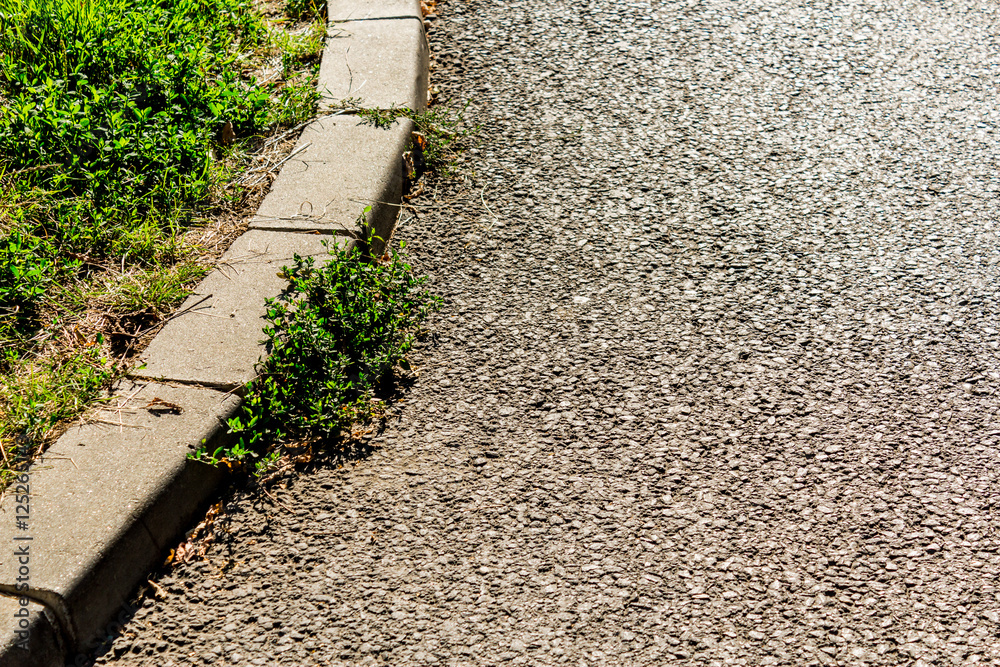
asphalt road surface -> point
(715, 380)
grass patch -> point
(334, 337)
(48, 391)
(124, 128)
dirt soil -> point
(715, 379)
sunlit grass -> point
(124, 126)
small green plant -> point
(297, 103)
(335, 334)
(442, 133)
(156, 290)
(383, 119)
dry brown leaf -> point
(199, 538)
(158, 591)
(428, 7)
(226, 135)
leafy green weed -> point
(336, 333)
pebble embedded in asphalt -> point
(715, 379)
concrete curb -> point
(101, 506)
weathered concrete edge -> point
(340, 11)
(134, 544)
(48, 646)
(165, 510)
(409, 90)
(40, 645)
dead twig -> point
(275, 500)
(121, 404)
(167, 319)
(63, 458)
(28, 170)
(482, 198)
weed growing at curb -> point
(337, 332)
(441, 133)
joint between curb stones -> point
(53, 602)
(316, 231)
(380, 18)
(222, 388)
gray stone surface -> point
(216, 338)
(107, 499)
(378, 64)
(40, 647)
(356, 10)
(343, 166)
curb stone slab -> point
(359, 10)
(342, 166)
(217, 339)
(106, 501)
(129, 489)
(378, 63)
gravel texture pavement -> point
(715, 380)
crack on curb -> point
(350, 72)
(379, 18)
(221, 387)
(335, 111)
(53, 602)
(307, 230)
